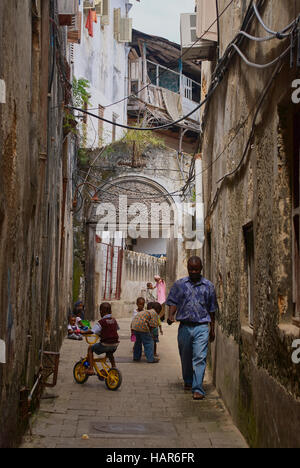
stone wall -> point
(252, 366)
(35, 206)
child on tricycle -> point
(107, 330)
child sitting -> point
(107, 328)
(79, 321)
(74, 332)
(140, 304)
(155, 332)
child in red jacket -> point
(107, 328)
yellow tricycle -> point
(111, 375)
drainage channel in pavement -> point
(132, 429)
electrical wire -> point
(260, 102)
(279, 34)
(219, 15)
(248, 143)
(257, 65)
(231, 45)
(146, 128)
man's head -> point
(140, 303)
(195, 268)
(105, 309)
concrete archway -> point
(151, 207)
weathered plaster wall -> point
(252, 365)
(35, 226)
(103, 61)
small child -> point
(74, 332)
(150, 293)
(79, 321)
(155, 333)
(140, 303)
(107, 328)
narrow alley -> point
(149, 410)
(150, 170)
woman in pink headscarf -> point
(161, 293)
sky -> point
(160, 17)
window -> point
(249, 242)
(296, 218)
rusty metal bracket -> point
(50, 367)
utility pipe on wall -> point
(200, 233)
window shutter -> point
(117, 22)
(88, 4)
(74, 31)
(105, 12)
(125, 30)
(99, 7)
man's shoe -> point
(154, 361)
(197, 396)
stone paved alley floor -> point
(151, 396)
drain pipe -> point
(200, 232)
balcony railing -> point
(177, 82)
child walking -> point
(140, 305)
(142, 324)
(155, 332)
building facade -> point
(250, 152)
(101, 57)
(37, 159)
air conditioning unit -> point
(192, 48)
(207, 20)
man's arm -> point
(172, 313)
(172, 302)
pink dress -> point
(161, 292)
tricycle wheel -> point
(79, 373)
(114, 379)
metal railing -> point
(177, 82)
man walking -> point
(193, 301)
